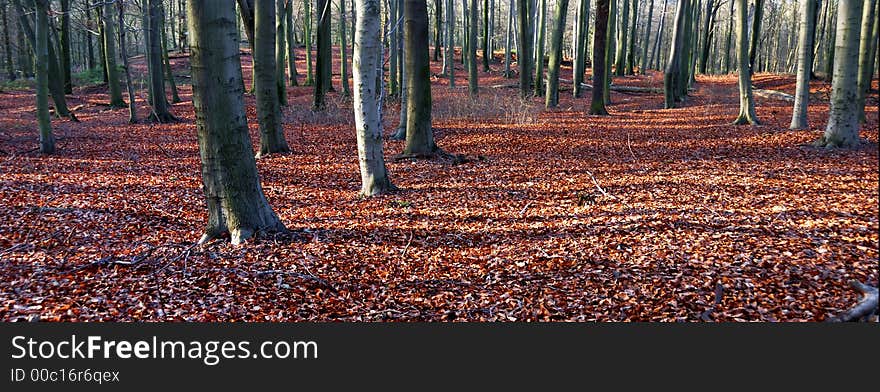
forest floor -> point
(644, 215)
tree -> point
(158, 102)
(843, 115)
(746, 100)
(539, 47)
(620, 58)
(266, 86)
(438, 28)
(64, 41)
(600, 54)
(343, 51)
(41, 50)
(658, 44)
(631, 52)
(524, 56)
(169, 74)
(132, 106)
(805, 58)
(487, 51)
(756, 33)
(366, 63)
(7, 46)
(727, 45)
(291, 43)
(580, 46)
(235, 200)
(508, 37)
(419, 136)
(866, 54)
(472, 50)
(280, 52)
(552, 97)
(672, 76)
(609, 48)
(307, 38)
(324, 55)
(645, 64)
(110, 52)
(449, 61)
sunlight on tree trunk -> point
(552, 97)
(41, 49)
(600, 58)
(843, 117)
(799, 118)
(746, 99)
(266, 86)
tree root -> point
(864, 308)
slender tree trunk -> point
(580, 47)
(65, 46)
(609, 48)
(539, 47)
(631, 52)
(805, 52)
(235, 200)
(472, 51)
(110, 56)
(644, 64)
(600, 53)
(41, 51)
(153, 39)
(291, 42)
(708, 25)
(343, 51)
(10, 69)
(620, 57)
(280, 52)
(756, 33)
(132, 105)
(89, 22)
(843, 115)
(487, 52)
(265, 70)
(658, 45)
(307, 35)
(450, 42)
(508, 73)
(746, 100)
(729, 35)
(324, 57)
(366, 65)
(393, 53)
(552, 98)
(524, 54)
(419, 136)
(866, 54)
(438, 27)
(672, 75)
(169, 74)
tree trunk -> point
(580, 47)
(508, 73)
(366, 63)
(672, 77)
(65, 46)
(609, 49)
(866, 54)
(552, 97)
(266, 85)
(235, 200)
(438, 26)
(419, 136)
(393, 53)
(524, 55)
(41, 51)
(746, 100)
(756, 33)
(169, 74)
(90, 56)
(307, 38)
(291, 42)
(805, 52)
(10, 69)
(843, 115)
(644, 64)
(280, 57)
(324, 55)
(631, 52)
(343, 51)
(708, 24)
(132, 106)
(658, 45)
(153, 39)
(539, 47)
(110, 56)
(622, 31)
(450, 42)
(600, 54)
(472, 51)
(487, 52)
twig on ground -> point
(408, 243)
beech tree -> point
(233, 194)
(805, 58)
(280, 56)
(41, 51)
(132, 105)
(580, 46)
(266, 85)
(746, 100)
(367, 64)
(524, 57)
(472, 51)
(867, 45)
(419, 136)
(600, 55)
(552, 97)
(155, 75)
(324, 56)
(110, 52)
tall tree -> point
(631, 52)
(291, 42)
(41, 50)
(658, 44)
(266, 86)
(419, 136)
(866, 54)
(280, 51)
(507, 41)
(746, 99)
(472, 50)
(393, 54)
(307, 38)
(620, 57)
(487, 51)
(805, 53)
(609, 48)
(438, 28)
(539, 47)
(552, 97)
(843, 115)
(365, 63)
(343, 51)
(600, 53)
(64, 40)
(450, 42)
(644, 65)
(524, 55)
(169, 73)
(235, 200)
(110, 52)
(132, 106)
(7, 46)
(672, 77)
(727, 45)
(153, 40)
(580, 46)
(756, 33)
(324, 56)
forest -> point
(439, 160)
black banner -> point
(412, 357)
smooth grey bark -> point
(843, 115)
(672, 76)
(450, 42)
(393, 53)
(551, 99)
(644, 63)
(746, 99)
(41, 51)
(114, 90)
(438, 28)
(727, 45)
(539, 47)
(487, 50)
(524, 54)
(265, 83)
(508, 73)
(233, 194)
(280, 52)
(289, 28)
(64, 42)
(866, 54)
(622, 31)
(419, 136)
(609, 49)
(132, 106)
(307, 40)
(473, 83)
(153, 40)
(805, 52)
(366, 64)
(631, 46)
(600, 55)
(658, 44)
(343, 51)
(580, 47)
(756, 33)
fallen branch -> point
(866, 306)
(623, 89)
(773, 94)
(323, 282)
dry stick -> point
(408, 242)
(629, 146)
(599, 187)
(523, 211)
(866, 306)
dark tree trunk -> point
(266, 87)
(600, 52)
(419, 136)
(153, 40)
(324, 57)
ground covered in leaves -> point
(645, 215)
